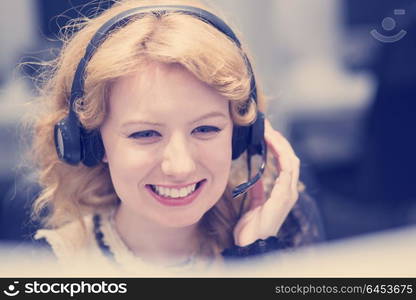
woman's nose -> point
(178, 161)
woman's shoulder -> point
(75, 247)
(69, 239)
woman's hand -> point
(264, 218)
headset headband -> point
(122, 19)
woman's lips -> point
(177, 201)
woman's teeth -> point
(174, 193)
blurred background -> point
(339, 76)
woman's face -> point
(165, 132)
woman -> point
(161, 94)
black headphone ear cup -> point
(67, 137)
(256, 135)
(93, 148)
(248, 137)
(240, 140)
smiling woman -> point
(163, 111)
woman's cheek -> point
(129, 162)
(130, 170)
(218, 154)
(136, 159)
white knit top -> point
(77, 250)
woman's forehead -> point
(162, 88)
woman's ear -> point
(105, 160)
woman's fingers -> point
(283, 153)
(256, 195)
(274, 211)
(280, 148)
(295, 174)
(284, 194)
(280, 193)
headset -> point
(75, 144)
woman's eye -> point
(207, 129)
(144, 134)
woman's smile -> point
(176, 197)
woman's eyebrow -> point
(210, 115)
(206, 116)
(137, 122)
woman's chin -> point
(178, 221)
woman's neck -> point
(153, 242)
